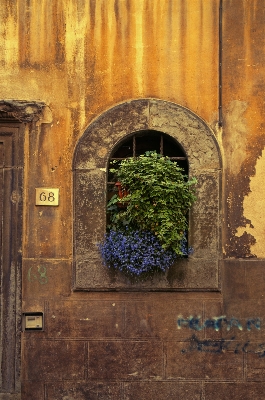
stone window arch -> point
(198, 272)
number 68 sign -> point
(47, 197)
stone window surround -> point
(198, 272)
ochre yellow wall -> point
(82, 57)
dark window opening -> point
(148, 140)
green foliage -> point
(159, 198)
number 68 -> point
(47, 196)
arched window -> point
(150, 140)
(131, 128)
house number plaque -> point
(47, 197)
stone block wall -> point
(141, 345)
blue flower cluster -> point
(136, 253)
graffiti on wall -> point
(217, 323)
(217, 346)
(37, 273)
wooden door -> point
(11, 168)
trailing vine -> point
(155, 201)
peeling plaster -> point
(253, 205)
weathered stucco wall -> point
(81, 58)
(243, 131)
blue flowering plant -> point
(137, 253)
(148, 222)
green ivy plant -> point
(158, 198)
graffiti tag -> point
(222, 345)
(216, 323)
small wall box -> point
(32, 321)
